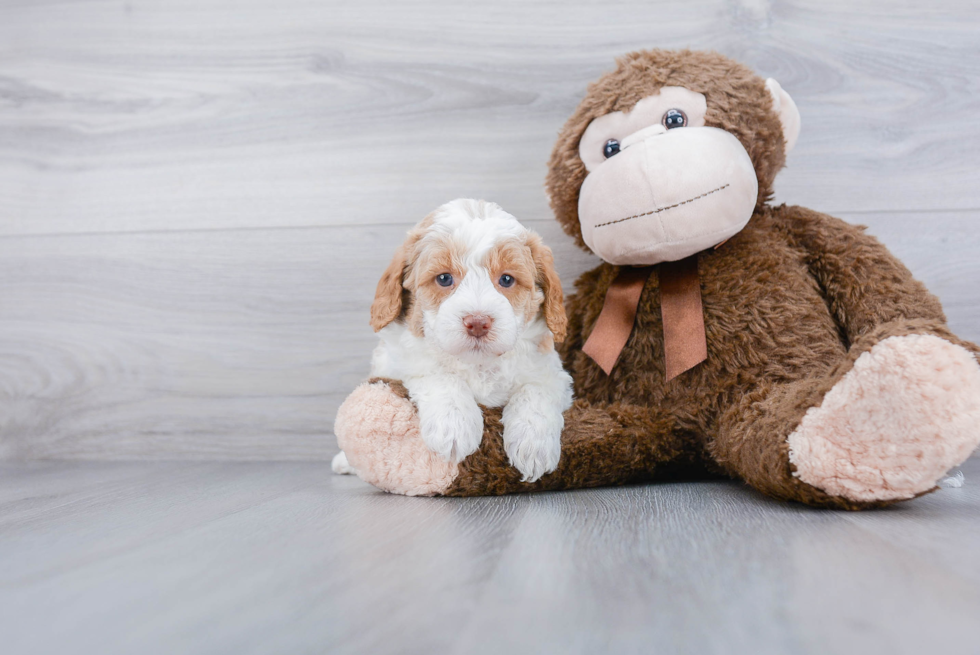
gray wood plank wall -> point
(196, 197)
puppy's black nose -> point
(477, 325)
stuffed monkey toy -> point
(721, 335)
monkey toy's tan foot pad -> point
(378, 430)
(890, 428)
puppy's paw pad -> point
(907, 412)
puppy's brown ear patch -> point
(554, 301)
(390, 297)
(387, 305)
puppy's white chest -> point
(402, 356)
(490, 384)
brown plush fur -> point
(790, 303)
(774, 350)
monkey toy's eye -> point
(506, 280)
(674, 118)
(611, 148)
(444, 280)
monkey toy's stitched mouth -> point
(663, 209)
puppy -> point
(468, 312)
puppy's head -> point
(469, 278)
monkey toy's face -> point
(661, 185)
(663, 178)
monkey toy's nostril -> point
(477, 325)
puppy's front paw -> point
(533, 447)
(451, 430)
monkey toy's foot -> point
(377, 428)
(891, 427)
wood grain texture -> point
(286, 558)
(182, 115)
(196, 198)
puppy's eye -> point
(506, 280)
(674, 118)
(444, 280)
(610, 149)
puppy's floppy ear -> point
(547, 277)
(387, 305)
(389, 299)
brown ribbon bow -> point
(685, 345)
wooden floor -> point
(285, 557)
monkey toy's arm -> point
(870, 293)
(378, 429)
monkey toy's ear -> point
(788, 114)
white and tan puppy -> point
(468, 313)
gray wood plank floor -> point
(196, 198)
(284, 557)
